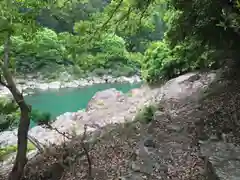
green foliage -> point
(45, 49)
(211, 22)
(107, 38)
(48, 51)
(161, 62)
(9, 114)
(195, 38)
(40, 117)
(84, 37)
(146, 114)
(8, 150)
(108, 53)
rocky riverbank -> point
(193, 134)
(111, 107)
(31, 84)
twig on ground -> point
(36, 143)
(66, 135)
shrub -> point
(4, 123)
(99, 72)
(127, 71)
(146, 115)
(161, 62)
(77, 72)
(40, 117)
(9, 114)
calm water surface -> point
(70, 99)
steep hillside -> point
(159, 143)
(191, 133)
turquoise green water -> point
(70, 100)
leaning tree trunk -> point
(21, 159)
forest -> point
(158, 45)
(60, 41)
(157, 39)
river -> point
(70, 99)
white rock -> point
(83, 82)
(42, 86)
(54, 85)
(4, 92)
(75, 83)
(8, 138)
(31, 84)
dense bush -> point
(161, 62)
(109, 56)
(51, 53)
(10, 114)
(199, 35)
(40, 117)
(146, 114)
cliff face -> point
(120, 148)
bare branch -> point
(87, 153)
(66, 135)
(108, 20)
(125, 16)
(112, 14)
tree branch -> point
(125, 16)
(7, 50)
(112, 14)
(108, 20)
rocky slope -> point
(169, 147)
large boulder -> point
(104, 99)
(8, 138)
(187, 85)
(224, 157)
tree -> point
(18, 18)
(15, 22)
(213, 23)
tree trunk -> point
(21, 160)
